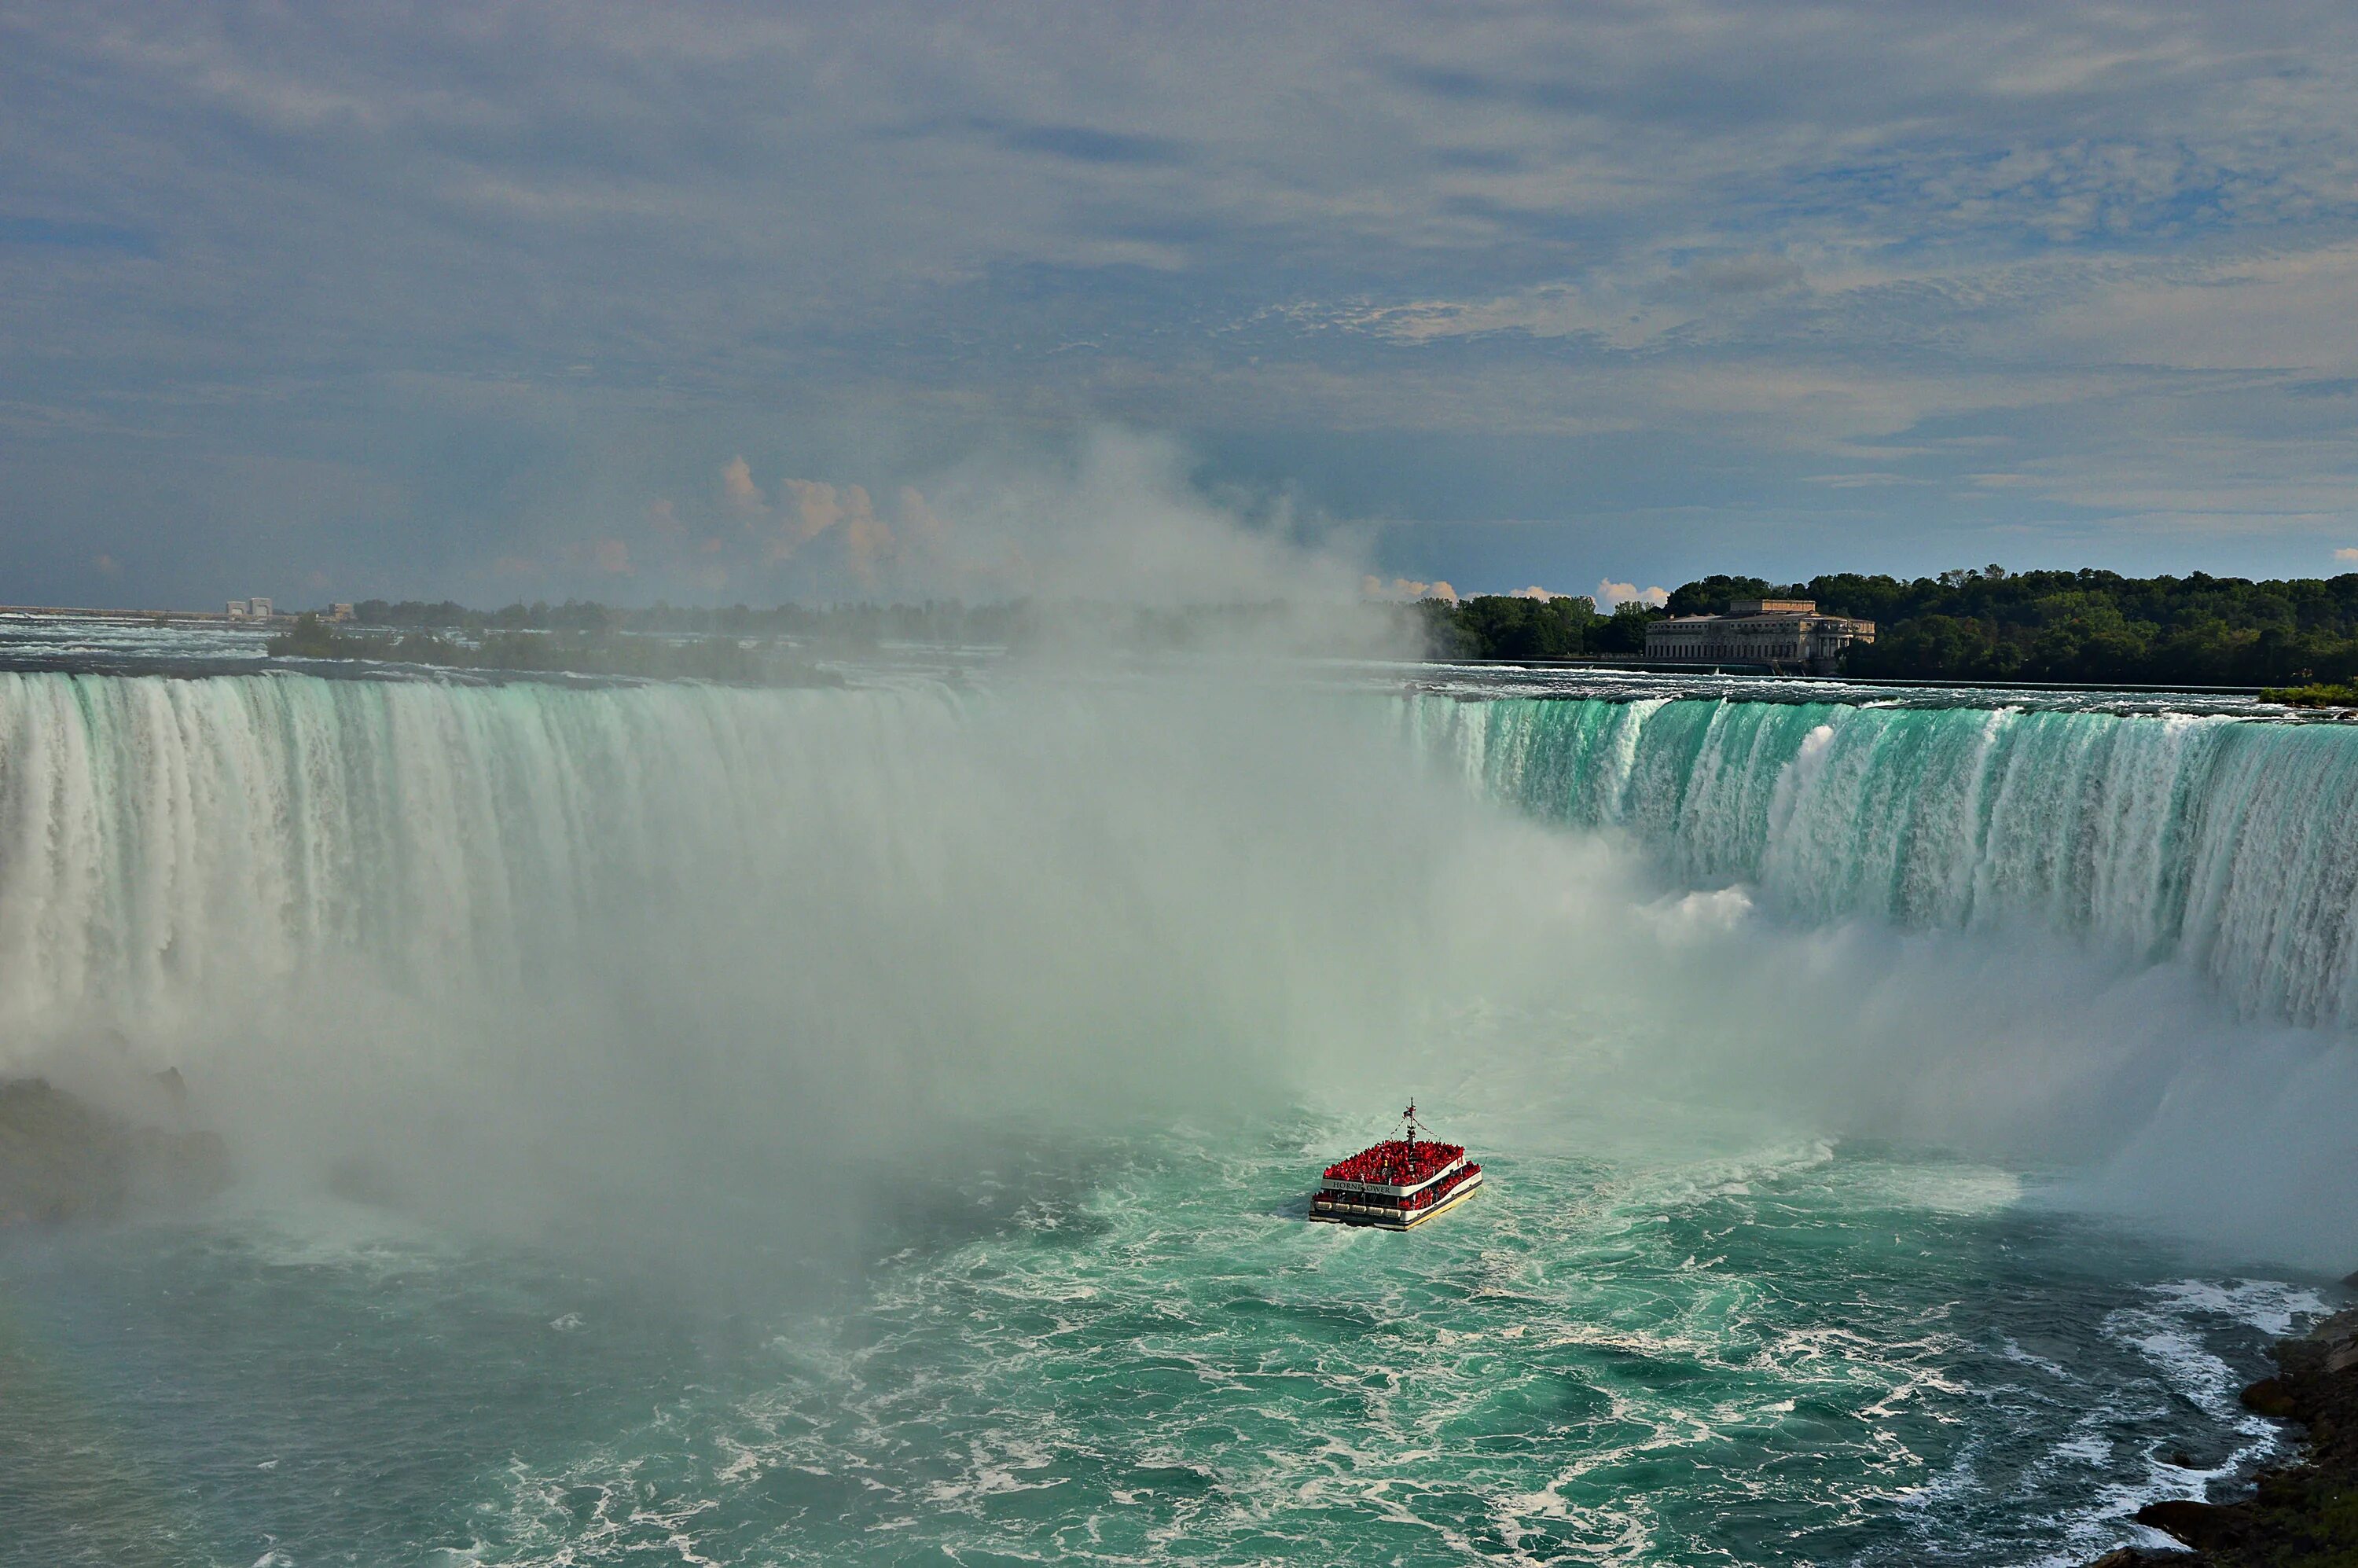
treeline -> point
(1991, 624)
(2080, 626)
(1507, 626)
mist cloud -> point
(1113, 514)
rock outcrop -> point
(63, 1158)
(2303, 1516)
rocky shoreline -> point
(2303, 1515)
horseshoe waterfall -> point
(2226, 844)
(680, 1123)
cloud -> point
(865, 547)
(1365, 235)
(816, 507)
(867, 543)
(1400, 588)
(737, 487)
(1611, 595)
(1535, 591)
(612, 557)
(1545, 311)
(105, 564)
(2346, 554)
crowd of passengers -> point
(1394, 1162)
(1413, 1200)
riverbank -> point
(2301, 1515)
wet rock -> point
(63, 1159)
(2197, 1524)
(2304, 1514)
(2270, 1397)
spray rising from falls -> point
(2222, 843)
(633, 950)
(640, 960)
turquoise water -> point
(679, 1124)
(1773, 1353)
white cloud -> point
(1549, 310)
(737, 485)
(1408, 589)
(1611, 595)
(2346, 554)
(2280, 311)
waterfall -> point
(590, 960)
(2226, 844)
(888, 898)
(171, 849)
(167, 842)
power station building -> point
(1786, 635)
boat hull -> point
(1388, 1221)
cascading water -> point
(167, 844)
(168, 841)
(563, 1032)
(2225, 843)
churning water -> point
(1769, 1354)
(681, 1124)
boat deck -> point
(1396, 1219)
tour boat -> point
(1398, 1184)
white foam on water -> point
(1272, 1381)
(2170, 1329)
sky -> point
(723, 303)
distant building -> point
(339, 612)
(260, 608)
(239, 610)
(1787, 635)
